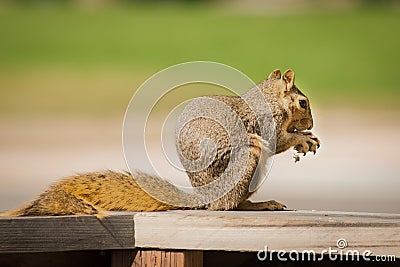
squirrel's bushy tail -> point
(96, 192)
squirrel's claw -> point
(308, 143)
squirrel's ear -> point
(275, 74)
(288, 78)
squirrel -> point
(95, 193)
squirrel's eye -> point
(303, 103)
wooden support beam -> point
(122, 258)
(168, 258)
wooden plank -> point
(252, 231)
(65, 233)
(168, 258)
(202, 230)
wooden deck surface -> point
(204, 230)
(66, 233)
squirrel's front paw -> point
(308, 142)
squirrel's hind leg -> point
(267, 205)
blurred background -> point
(68, 69)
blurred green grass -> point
(64, 60)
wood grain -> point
(253, 231)
(202, 230)
(168, 258)
(122, 258)
(65, 233)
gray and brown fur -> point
(96, 192)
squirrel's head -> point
(294, 101)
